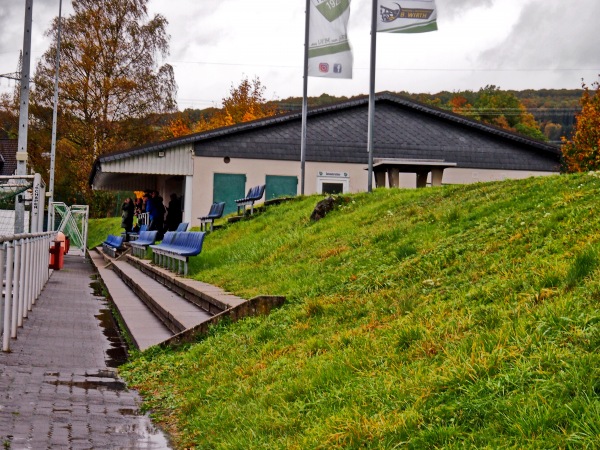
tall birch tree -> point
(111, 82)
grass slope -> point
(99, 229)
(454, 317)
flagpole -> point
(304, 101)
(54, 114)
(371, 122)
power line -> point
(414, 69)
(18, 74)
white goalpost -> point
(72, 221)
(27, 190)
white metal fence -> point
(24, 272)
(73, 223)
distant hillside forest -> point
(554, 110)
(546, 114)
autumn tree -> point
(460, 104)
(245, 102)
(111, 85)
(582, 153)
(9, 117)
(502, 109)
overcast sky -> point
(513, 44)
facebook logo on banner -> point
(337, 68)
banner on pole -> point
(329, 52)
(406, 16)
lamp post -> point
(54, 115)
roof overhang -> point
(138, 171)
(411, 165)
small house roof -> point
(8, 156)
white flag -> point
(406, 16)
(329, 52)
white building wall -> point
(256, 171)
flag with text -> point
(408, 16)
(329, 52)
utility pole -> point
(54, 114)
(16, 76)
(23, 115)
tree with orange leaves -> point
(246, 102)
(582, 153)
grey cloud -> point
(452, 8)
(12, 21)
(551, 34)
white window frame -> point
(342, 178)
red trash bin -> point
(57, 252)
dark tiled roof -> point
(8, 152)
(338, 133)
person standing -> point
(127, 212)
(174, 215)
(157, 214)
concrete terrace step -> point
(210, 298)
(175, 312)
(184, 306)
(142, 325)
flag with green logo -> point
(406, 16)
(329, 52)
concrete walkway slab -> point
(58, 388)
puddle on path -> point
(151, 437)
(117, 353)
(113, 385)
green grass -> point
(455, 317)
(99, 229)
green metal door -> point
(228, 187)
(280, 186)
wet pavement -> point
(58, 386)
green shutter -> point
(228, 187)
(280, 186)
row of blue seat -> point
(132, 236)
(254, 194)
(177, 246)
(145, 238)
(112, 244)
(216, 212)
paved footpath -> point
(57, 387)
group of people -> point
(161, 218)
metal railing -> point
(24, 273)
(143, 219)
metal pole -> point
(3, 326)
(54, 113)
(22, 273)
(8, 298)
(17, 300)
(304, 100)
(10, 287)
(24, 114)
(31, 267)
(37, 206)
(372, 95)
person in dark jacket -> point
(127, 212)
(157, 214)
(174, 215)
